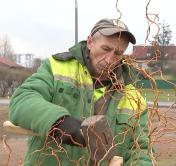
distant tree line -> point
(11, 78)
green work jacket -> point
(63, 86)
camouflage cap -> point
(109, 27)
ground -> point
(165, 145)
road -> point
(4, 101)
(150, 103)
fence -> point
(159, 84)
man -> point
(54, 101)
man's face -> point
(106, 53)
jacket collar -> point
(77, 51)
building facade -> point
(25, 60)
(148, 54)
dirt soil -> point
(165, 145)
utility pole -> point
(76, 22)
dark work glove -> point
(67, 130)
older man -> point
(66, 89)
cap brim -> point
(112, 31)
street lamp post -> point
(76, 22)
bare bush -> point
(6, 49)
(11, 78)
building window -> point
(148, 54)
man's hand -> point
(67, 130)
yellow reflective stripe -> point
(73, 82)
(98, 93)
(132, 99)
(71, 71)
(126, 111)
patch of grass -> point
(161, 95)
(167, 162)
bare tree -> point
(36, 64)
(6, 49)
(164, 39)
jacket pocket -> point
(67, 96)
(126, 116)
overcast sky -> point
(45, 27)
